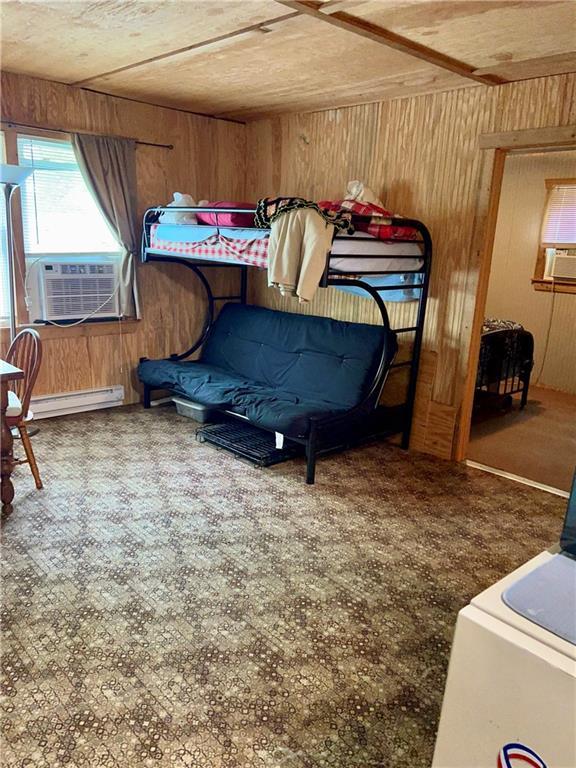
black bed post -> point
(525, 387)
(146, 396)
(243, 284)
(146, 389)
(311, 453)
(417, 348)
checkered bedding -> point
(370, 218)
(216, 247)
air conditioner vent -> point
(70, 289)
(564, 266)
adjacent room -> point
(524, 419)
(288, 383)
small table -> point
(7, 373)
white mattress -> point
(384, 255)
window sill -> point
(556, 286)
(106, 328)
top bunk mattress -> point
(360, 253)
(203, 242)
(376, 255)
(195, 233)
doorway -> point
(523, 419)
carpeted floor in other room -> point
(167, 605)
(538, 442)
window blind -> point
(559, 225)
(59, 214)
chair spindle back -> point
(25, 352)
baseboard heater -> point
(46, 406)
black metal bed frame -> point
(504, 366)
(368, 419)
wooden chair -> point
(25, 352)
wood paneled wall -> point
(207, 161)
(421, 156)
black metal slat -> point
(403, 287)
(248, 442)
(335, 274)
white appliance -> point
(510, 698)
(564, 265)
(73, 287)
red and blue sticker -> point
(515, 755)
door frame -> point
(495, 148)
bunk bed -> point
(394, 267)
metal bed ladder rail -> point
(151, 216)
(418, 329)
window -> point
(559, 227)
(4, 285)
(59, 215)
(556, 263)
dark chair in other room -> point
(25, 353)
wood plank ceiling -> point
(245, 58)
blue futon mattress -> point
(277, 368)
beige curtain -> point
(109, 168)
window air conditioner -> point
(72, 287)
(564, 266)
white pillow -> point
(357, 190)
(180, 217)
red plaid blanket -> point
(367, 217)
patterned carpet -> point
(164, 604)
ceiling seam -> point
(386, 37)
(187, 48)
(207, 115)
